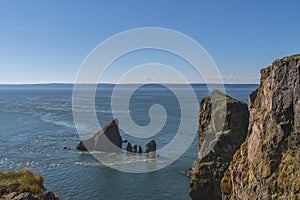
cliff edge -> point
(267, 166)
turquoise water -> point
(36, 124)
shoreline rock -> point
(28, 196)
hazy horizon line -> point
(69, 83)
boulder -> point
(151, 149)
(223, 125)
(108, 139)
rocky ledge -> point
(28, 196)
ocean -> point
(36, 124)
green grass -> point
(21, 181)
(288, 58)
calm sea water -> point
(36, 124)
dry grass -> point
(21, 181)
(288, 58)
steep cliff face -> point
(218, 140)
(267, 166)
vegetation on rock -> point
(21, 181)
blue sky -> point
(46, 41)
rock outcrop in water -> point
(221, 139)
(267, 166)
(108, 139)
(140, 150)
(129, 147)
(135, 148)
(151, 149)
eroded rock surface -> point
(28, 196)
(267, 166)
(223, 124)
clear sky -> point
(46, 41)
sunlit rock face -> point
(223, 125)
(267, 166)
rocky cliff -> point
(267, 166)
(107, 139)
(218, 141)
(23, 185)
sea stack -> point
(108, 139)
(140, 150)
(129, 147)
(151, 149)
(218, 141)
(267, 166)
(135, 148)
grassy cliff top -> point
(21, 181)
(288, 58)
